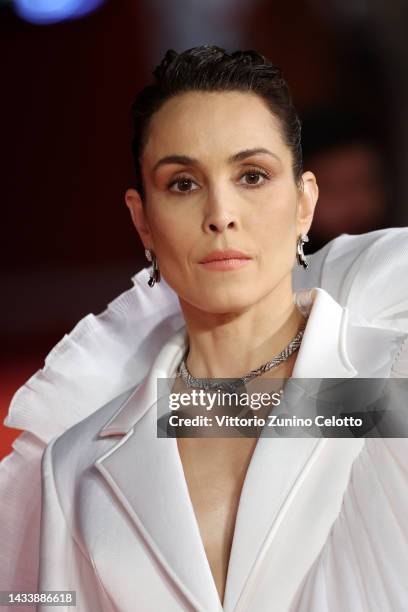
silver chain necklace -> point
(204, 383)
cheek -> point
(174, 234)
(275, 222)
(275, 232)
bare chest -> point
(215, 471)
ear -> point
(139, 217)
(307, 202)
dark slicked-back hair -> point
(212, 69)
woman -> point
(134, 522)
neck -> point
(230, 345)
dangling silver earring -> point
(155, 275)
(300, 256)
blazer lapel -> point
(146, 474)
(277, 474)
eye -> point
(183, 183)
(254, 175)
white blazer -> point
(117, 524)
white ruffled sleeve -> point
(366, 273)
(101, 358)
(363, 566)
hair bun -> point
(169, 57)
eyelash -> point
(254, 170)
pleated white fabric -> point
(106, 355)
(363, 567)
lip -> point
(222, 255)
(225, 260)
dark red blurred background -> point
(68, 245)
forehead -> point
(208, 124)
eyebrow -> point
(185, 160)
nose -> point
(219, 224)
(218, 216)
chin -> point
(216, 302)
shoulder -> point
(366, 273)
(75, 451)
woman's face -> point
(218, 175)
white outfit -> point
(321, 524)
